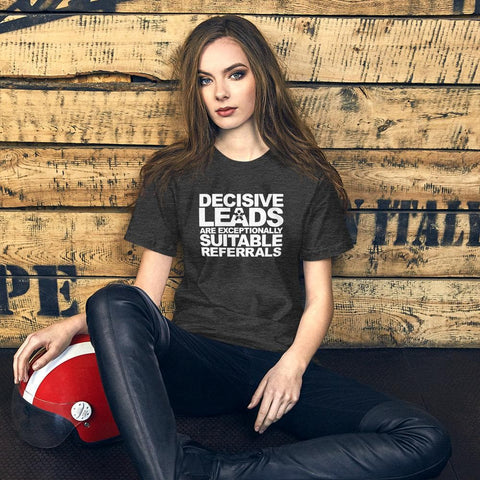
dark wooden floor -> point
(445, 382)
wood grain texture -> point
(40, 238)
(388, 243)
(109, 176)
(298, 7)
(341, 117)
(413, 244)
(441, 179)
(86, 177)
(90, 243)
(313, 49)
(408, 313)
(368, 313)
(76, 126)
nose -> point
(221, 91)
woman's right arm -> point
(152, 277)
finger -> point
(289, 407)
(16, 367)
(284, 408)
(257, 396)
(20, 360)
(23, 355)
(262, 412)
(277, 410)
(46, 357)
(271, 415)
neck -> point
(243, 145)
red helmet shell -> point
(70, 387)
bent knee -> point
(110, 292)
(103, 305)
(430, 446)
(100, 303)
(429, 439)
(438, 449)
(121, 311)
(419, 437)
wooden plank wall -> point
(390, 88)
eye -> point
(203, 81)
(238, 75)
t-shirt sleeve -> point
(325, 232)
(153, 224)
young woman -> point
(249, 195)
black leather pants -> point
(392, 439)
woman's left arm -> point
(279, 390)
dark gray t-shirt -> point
(244, 227)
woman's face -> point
(227, 84)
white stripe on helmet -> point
(37, 377)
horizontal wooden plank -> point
(406, 313)
(90, 243)
(407, 243)
(81, 177)
(409, 179)
(342, 117)
(298, 7)
(313, 49)
(368, 313)
(399, 243)
(108, 177)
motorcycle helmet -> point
(64, 396)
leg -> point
(132, 340)
(125, 343)
(361, 435)
(395, 441)
(146, 363)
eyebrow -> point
(226, 70)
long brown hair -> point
(277, 119)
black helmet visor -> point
(37, 427)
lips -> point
(225, 111)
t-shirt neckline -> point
(241, 163)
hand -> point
(279, 391)
(54, 338)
